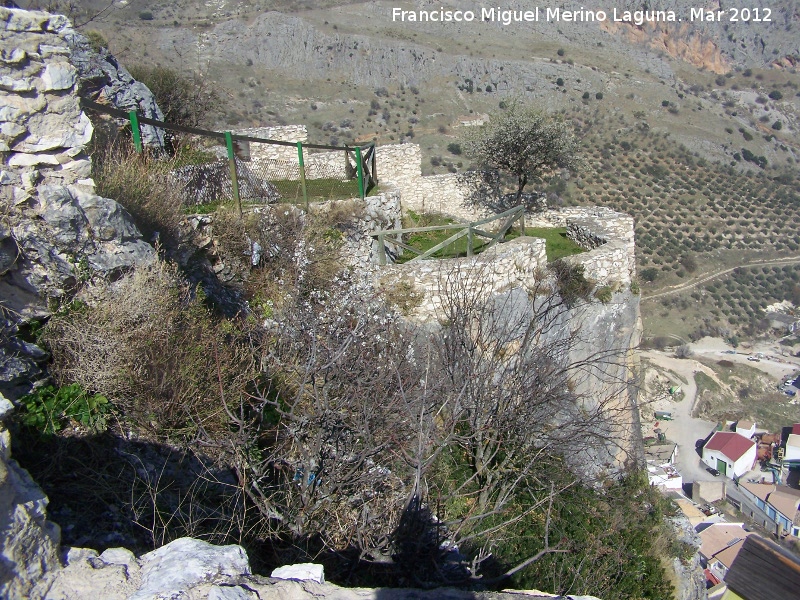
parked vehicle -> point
(713, 471)
(790, 393)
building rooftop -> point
(793, 440)
(786, 499)
(759, 490)
(692, 512)
(796, 429)
(659, 454)
(744, 424)
(763, 569)
(718, 537)
(732, 445)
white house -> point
(746, 428)
(666, 477)
(731, 454)
(792, 451)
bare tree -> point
(370, 440)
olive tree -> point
(517, 147)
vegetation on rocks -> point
(317, 424)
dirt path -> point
(682, 287)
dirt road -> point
(772, 362)
(685, 430)
(682, 287)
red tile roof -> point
(796, 429)
(730, 444)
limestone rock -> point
(300, 572)
(67, 233)
(185, 563)
(57, 77)
(6, 408)
(28, 542)
(19, 362)
(103, 79)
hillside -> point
(691, 127)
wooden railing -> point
(470, 230)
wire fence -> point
(260, 170)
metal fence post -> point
(234, 179)
(360, 172)
(137, 134)
(302, 173)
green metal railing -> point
(468, 230)
(317, 174)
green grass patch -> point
(319, 190)
(704, 382)
(558, 244)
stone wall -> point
(606, 235)
(609, 238)
(374, 213)
(277, 161)
(514, 264)
(400, 166)
(284, 133)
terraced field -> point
(694, 217)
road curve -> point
(682, 287)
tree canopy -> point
(518, 146)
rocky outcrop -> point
(43, 132)
(103, 80)
(689, 573)
(55, 230)
(63, 234)
(28, 542)
(189, 568)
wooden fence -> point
(470, 230)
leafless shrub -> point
(394, 448)
(152, 348)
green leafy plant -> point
(571, 282)
(604, 294)
(48, 408)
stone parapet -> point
(515, 264)
(609, 238)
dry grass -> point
(141, 183)
(149, 344)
